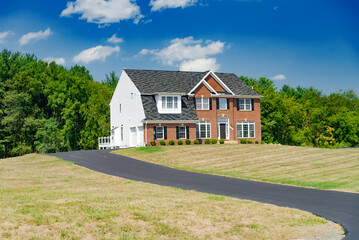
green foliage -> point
(221, 141)
(242, 141)
(207, 141)
(48, 108)
(188, 142)
(153, 143)
(256, 142)
(171, 142)
(180, 142)
(196, 141)
(214, 141)
(250, 141)
(163, 142)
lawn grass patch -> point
(36, 203)
(336, 169)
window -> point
(120, 107)
(245, 129)
(202, 103)
(159, 133)
(222, 103)
(203, 130)
(169, 102)
(245, 104)
(121, 132)
(182, 132)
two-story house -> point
(162, 105)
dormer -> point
(168, 103)
(214, 85)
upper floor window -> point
(202, 104)
(245, 104)
(222, 103)
(169, 102)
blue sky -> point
(294, 42)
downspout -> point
(146, 133)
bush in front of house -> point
(243, 141)
(214, 141)
(196, 141)
(163, 142)
(188, 142)
(250, 141)
(207, 141)
(256, 142)
(153, 143)
(221, 141)
(171, 142)
(180, 142)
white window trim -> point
(185, 132)
(199, 129)
(201, 100)
(163, 132)
(244, 105)
(162, 105)
(247, 123)
(219, 105)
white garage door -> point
(140, 137)
(133, 137)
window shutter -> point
(237, 104)
(252, 104)
(227, 103)
(210, 103)
(187, 130)
(177, 134)
(165, 131)
(154, 133)
(217, 99)
(194, 102)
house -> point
(157, 105)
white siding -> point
(131, 113)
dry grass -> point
(42, 197)
(302, 166)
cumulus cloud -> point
(183, 51)
(95, 53)
(115, 39)
(34, 36)
(278, 77)
(59, 61)
(103, 11)
(158, 5)
(4, 35)
(202, 64)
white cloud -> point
(278, 77)
(183, 51)
(115, 39)
(158, 5)
(34, 36)
(4, 35)
(95, 53)
(103, 11)
(59, 61)
(202, 64)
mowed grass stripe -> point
(303, 166)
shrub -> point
(188, 142)
(221, 141)
(250, 141)
(207, 141)
(214, 141)
(171, 142)
(180, 142)
(196, 141)
(153, 143)
(243, 141)
(21, 150)
(256, 142)
(163, 143)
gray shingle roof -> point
(151, 112)
(154, 81)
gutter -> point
(170, 121)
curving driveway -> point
(339, 207)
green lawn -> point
(302, 166)
(43, 197)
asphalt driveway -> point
(339, 207)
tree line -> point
(45, 107)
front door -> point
(222, 131)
